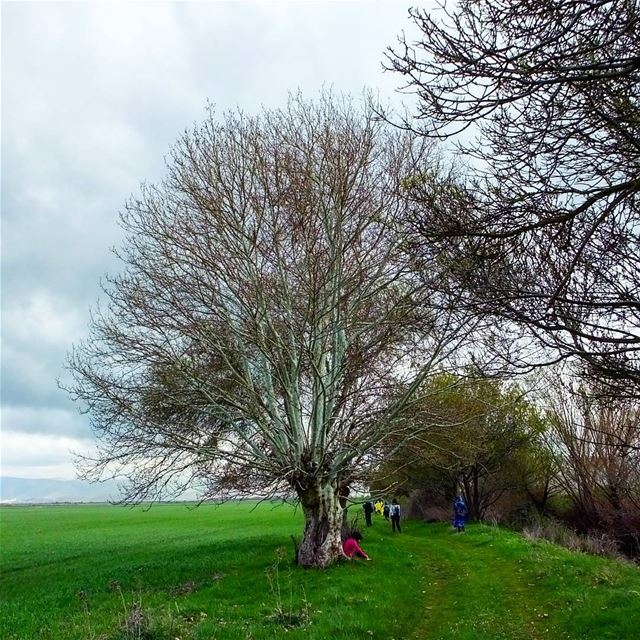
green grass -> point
(74, 572)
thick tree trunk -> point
(321, 544)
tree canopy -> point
(266, 314)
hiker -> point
(385, 510)
(351, 548)
(460, 513)
(368, 510)
(394, 512)
(379, 506)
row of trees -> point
(303, 279)
(464, 435)
(569, 454)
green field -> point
(75, 572)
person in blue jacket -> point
(460, 513)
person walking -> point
(368, 510)
(394, 512)
(460, 513)
(385, 510)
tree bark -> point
(477, 507)
(321, 543)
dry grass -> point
(598, 544)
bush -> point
(595, 543)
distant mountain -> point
(30, 491)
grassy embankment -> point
(74, 572)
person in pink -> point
(352, 549)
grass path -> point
(224, 573)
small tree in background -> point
(536, 470)
(472, 435)
(266, 315)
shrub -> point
(595, 543)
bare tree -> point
(598, 449)
(265, 315)
(544, 231)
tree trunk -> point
(345, 529)
(321, 543)
(476, 496)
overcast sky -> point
(93, 95)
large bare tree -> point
(543, 99)
(266, 314)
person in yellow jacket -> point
(379, 506)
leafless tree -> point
(266, 314)
(542, 97)
(597, 444)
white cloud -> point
(37, 330)
(36, 455)
(42, 319)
